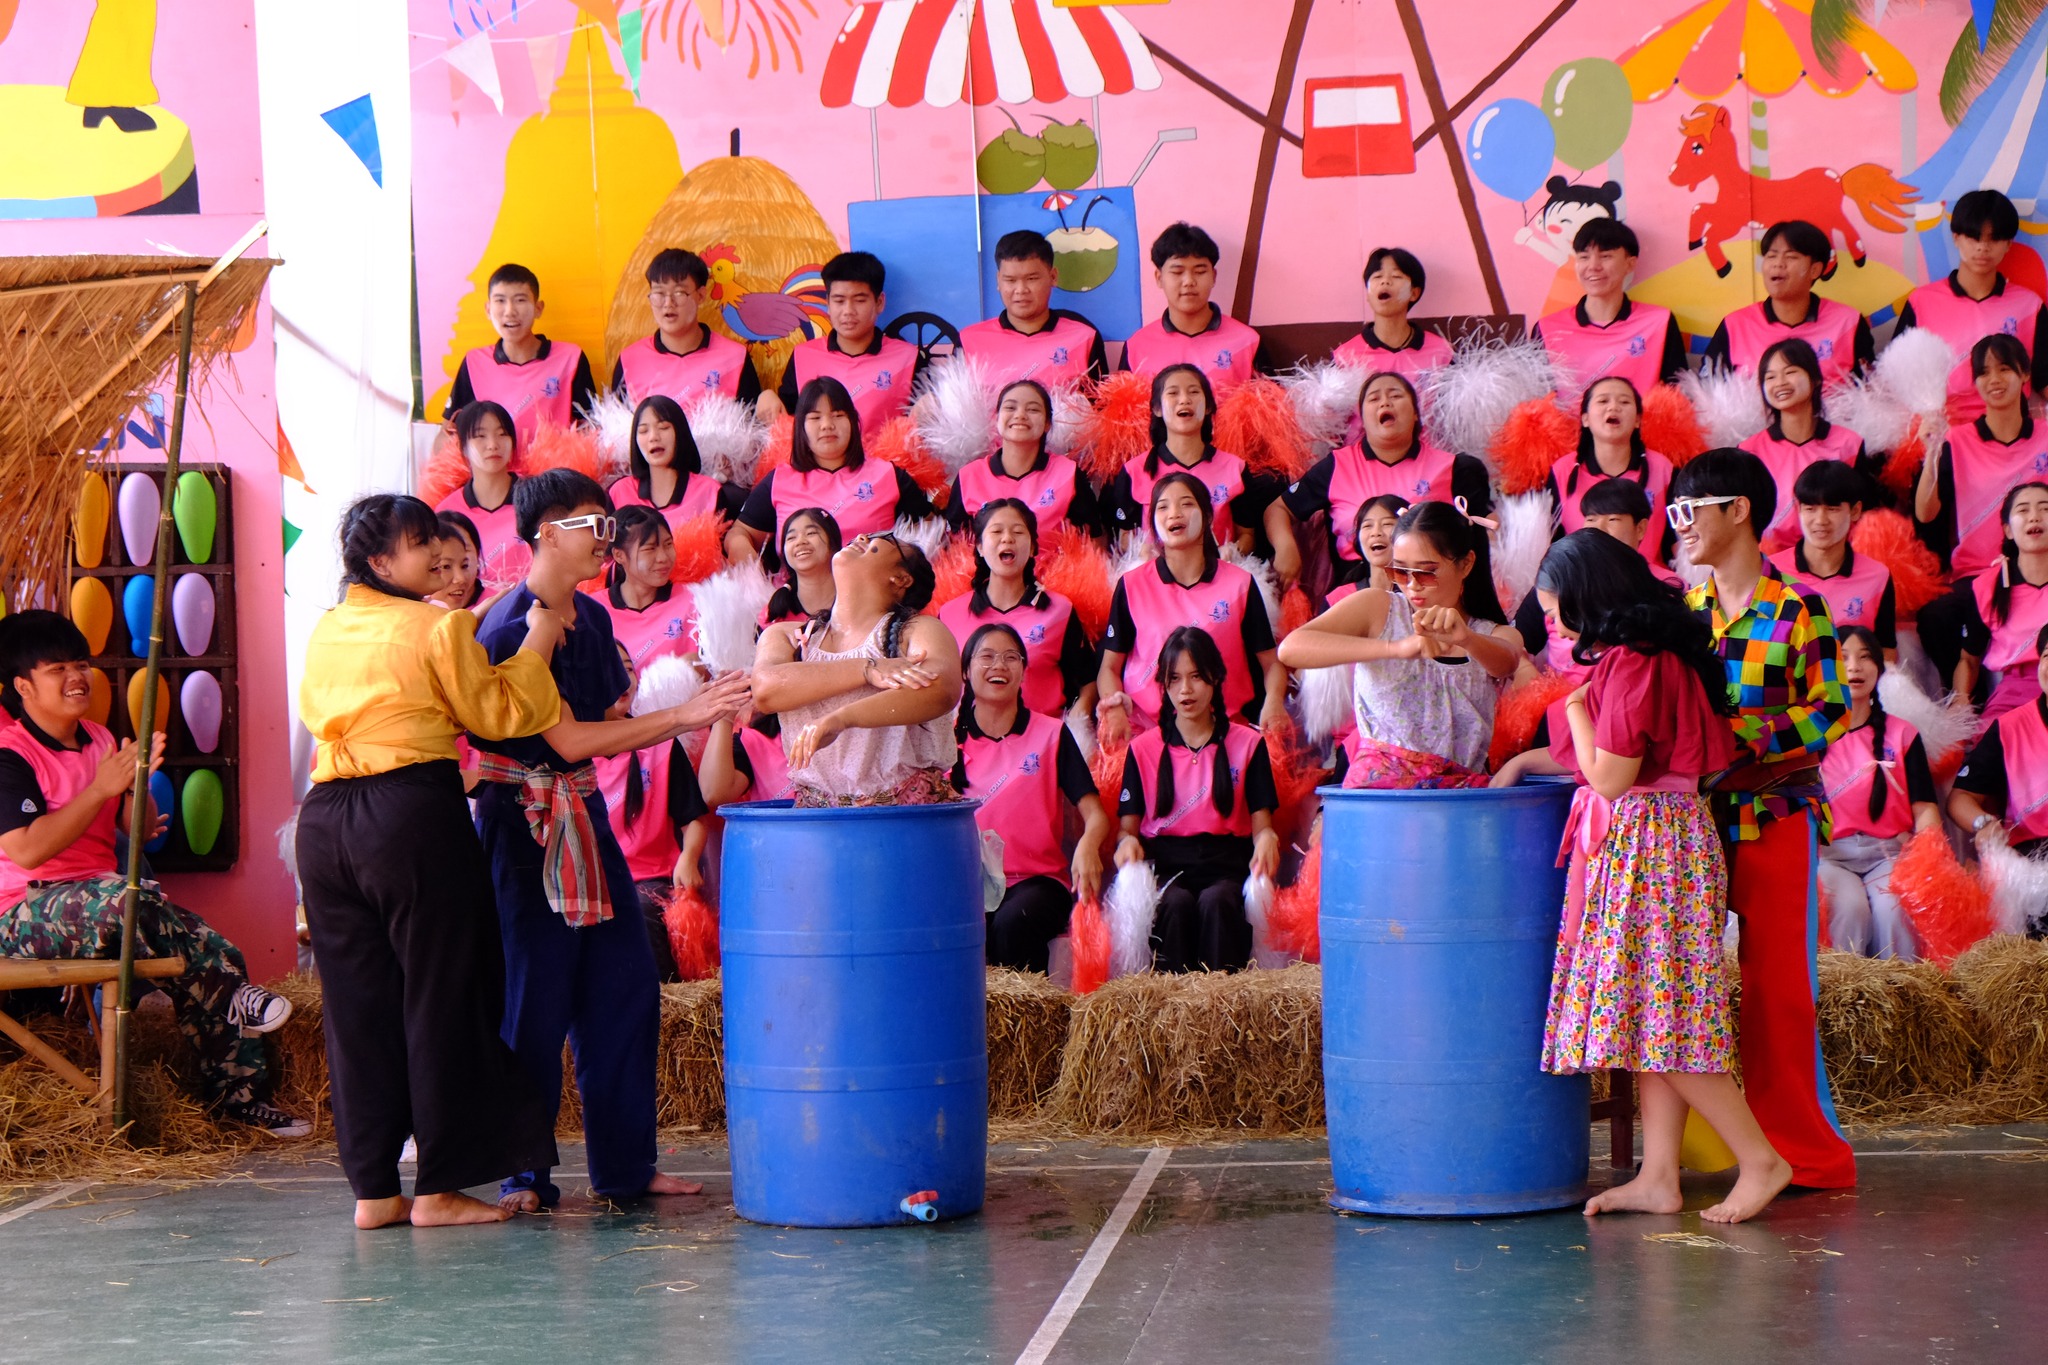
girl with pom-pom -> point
(2004, 609)
(1959, 492)
(1392, 457)
(1827, 499)
(810, 537)
(485, 434)
(651, 616)
(1797, 434)
(1198, 800)
(1025, 768)
(1052, 486)
(1881, 790)
(827, 468)
(1430, 659)
(1394, 281)
(2001, 792)
(457, 553)
(1186, 584)
(1610, 447)
(1639, 982)
(664, 470)
(1059, 669)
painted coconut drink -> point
(1084, 257)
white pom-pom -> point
(2019, 890)
(1138, 549)
(670, 680)
(1262, 574)
(1869, 410)
(729, 438)
(1081, 726)
(1465, 402)
(729, 605)
(1689, 573)
(1520, 544)
(955, 412)
(1914, 370)
(1944, 725)
(1073, 421)
(1324, 701)
(1258, 910)
(611, 417)
(1130, 905)
(926, 533)
(288, 849)
(1729, 403)
(1325, 397)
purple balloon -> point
(139, 504)
(192, 608)
(200, 703)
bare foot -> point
(1753, 1190)
(1644, 1194)
(382, 1213)
(454, 1210)
(668, 1184)
(520, 1201)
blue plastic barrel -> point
(1440, 912)
(856, 1026)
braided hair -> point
(962, 717)
(379, 524)
(1196, 645)
(1865, 636)
(2008, 554)
(924, 581)
(1034, 596)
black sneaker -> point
(255, 1010)
(271, 1119)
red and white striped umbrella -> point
(940, 52)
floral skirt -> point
(1379, 766)
(1643, 986)
(919, 787)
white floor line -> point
(61, 1192)
(1049, 1332)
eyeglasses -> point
(670, 295)
(1684, 511)
(862, 542)
(1009, 658)
(1420, 578)
(604, 528)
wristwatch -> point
(1977, 825)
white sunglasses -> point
(1682, 512)
(603, 527)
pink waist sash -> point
(1585, 829)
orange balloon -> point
(92, 611)
(102, 704)
(163, 703)
(89, 523)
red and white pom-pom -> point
(1073, 564)
(1259, 894)
(2019, 890)
(1295, 612)
(574, 448)
(898, 443)
(1949, 908)
(1519, 544)
(775, 449)
(1074, 421)
(1088, 936)
(1123, 425)
(729, 438)
(952, 573)
(1325, 397)
(1914, 368)
(1106, 766)
(1081, 726)
(1727, 406)
(1324, 700)
(1257, 423)
(1670, 425)
(692, 934)
(1534, 436)
(1131, 905)
(729, 606)
(609, 418)
(447, 470)
(1901, 469)
(1294, 925)
(668, 681)
(1520, 710)
(1467, 402)
(1888, 538)
(700, 548)
(1945, 724)
(955, 412)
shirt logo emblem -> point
(885, 379)
(1637, 346)
(1045, 499)
(1824, 348)
(1029, 765)
(1219, 494)
(2041, 463)
(1223, 359)
(1059, 355)
(712, 378)
(1852, 609)
(673, 629)
(1221, 611)
(28, 807)
(1422, 488)
(864, 493)
(550, 386)
(2011, 327)
(1035, 635)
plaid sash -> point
(570, 873)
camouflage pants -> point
(83, 919)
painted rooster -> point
(757, 315)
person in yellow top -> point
(397, 892)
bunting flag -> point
(291, 534)
(356, 124)
(474, 58)
(545, 55)
(606, 13)
(633, 46)
(288, 464)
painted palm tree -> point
(1980, 52)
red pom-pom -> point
(1258, 424)
(1949, 907)
(1072, 564)
(1520, 710)
(1107, 767)
(775, 453)
(1671, 426)
(1294, 926)
(1123, 425)
(700, 548)
(1294, 610)
(692, 934)
(1902, 467)
(447, 470)
(566, 448)
(1536, 436)
(898, 443)
(953, 573)
(1296, 774)
(1088, 936)
(1888, 538)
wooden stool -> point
(1619, 1109)
(28, 973)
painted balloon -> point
(92, 611)
(194, 512)
(200, 701)
(160, 794)
(140, 506)
(201, 807)
(138, 603)
(100, 703)
(89, 522)
(164, 688)
(1590, 107)
(1511, 147)
(192, 609)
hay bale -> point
(1893, 1035)
(1027, 1033)
(2004, 981)
(298, 1055)
(690, 1059)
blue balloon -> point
(1511, 145)
(138, 602)
(160, 792)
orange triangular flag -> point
(288, 459)
(605, 12)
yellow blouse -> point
(390, 682)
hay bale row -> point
(1027, 1034)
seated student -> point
(1976, 301)
(1197, 799)
(1797, 434)
(1025, 768)
(525, 373)
(1881, 792)
(664, 470)
(1828, 497)
(1031, 339)
(2001, 793)
(804, 590)
(1391, 457)
(458, 550)
(1052, 486)
(1620, 508)
(1186, 584)
(1241, 500)
(1429, 659)
(1605, 332)
(683, 360)
(1059, 669)
(2004, 609)
(1958, 496)
(1610, 447)
(743, 763)
(827, 468)
(1388, 342)
(651, 616)
(1793, 257)
(64, 788)
(1193, 330)
(880, 372)
(489, 442)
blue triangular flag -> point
(1980, 15)
(356, 123)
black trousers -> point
(1020, 931)
(1201, 924)
(405, 932)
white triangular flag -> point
(473, 58)
(544, 55)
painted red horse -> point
(1744, 200)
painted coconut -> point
(1083, 258)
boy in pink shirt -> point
(1031, 339)
(529, 375)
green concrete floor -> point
(1940, 1255)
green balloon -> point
(1590, 108)
(195, 513)
(203, 805)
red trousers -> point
(1771, 885)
